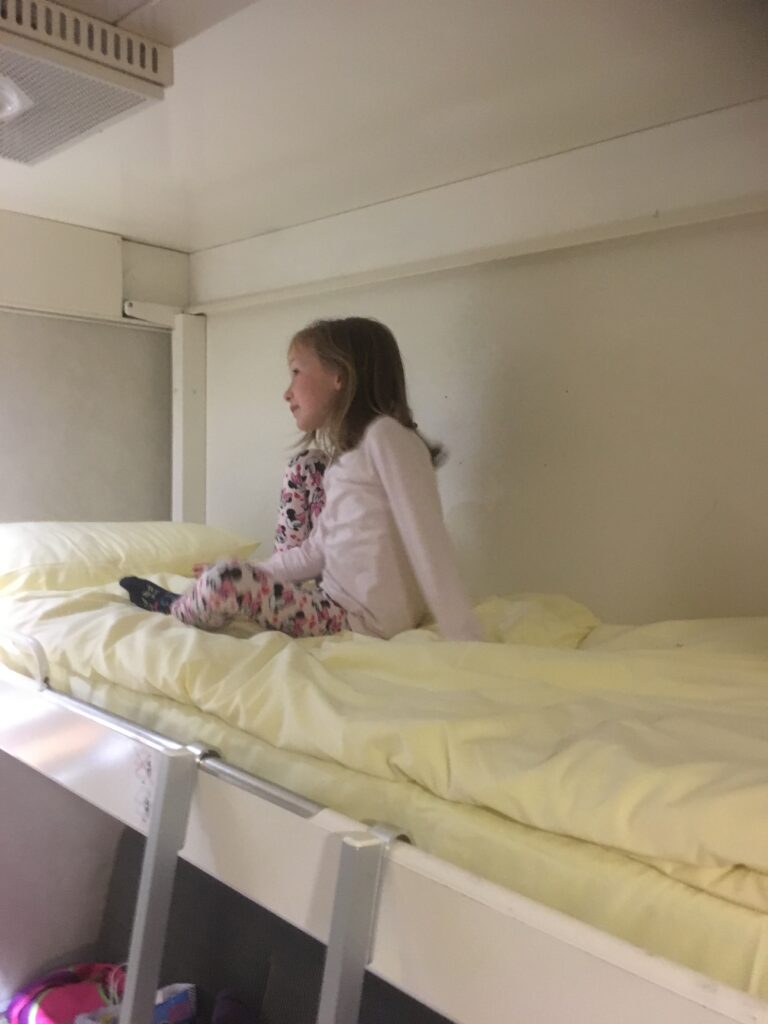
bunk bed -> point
(567, 822)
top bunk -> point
(581, 799)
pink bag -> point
(60, 996)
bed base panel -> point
(109, 765)
(471, 950)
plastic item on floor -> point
(90, 993)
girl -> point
(380, 548)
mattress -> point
(617, 774)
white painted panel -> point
(85, 420)
(56, 859)
(693, 170)
(152, 274)
(469, 948)
(278, 860)
(110, 769)
(58, 268)
(173, 21)
(189, 440)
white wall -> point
(638, 182)
(85, 420)
(604, 407)
(60, 859)
(85, 397)
(59, 268)
(151, 274)
(67, 270)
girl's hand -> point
(199, 568)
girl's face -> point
(313, 390)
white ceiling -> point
(293, 110)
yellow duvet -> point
(618, 774)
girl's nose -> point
(287, 394)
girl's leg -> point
(234, 588)
(302, 498)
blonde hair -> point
(366, 356)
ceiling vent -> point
(64, 75)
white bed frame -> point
(471, 950)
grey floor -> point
(220, 941)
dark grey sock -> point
(148, 595)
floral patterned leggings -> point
(233, 587)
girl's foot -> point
(148, 595)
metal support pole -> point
(352, 923)
(188, 418)
(174, 784)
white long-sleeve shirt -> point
(381, 545)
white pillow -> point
(66, 556)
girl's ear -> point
(338, 382)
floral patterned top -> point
(302, 498)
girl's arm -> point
(302, 563)
(402, 463)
